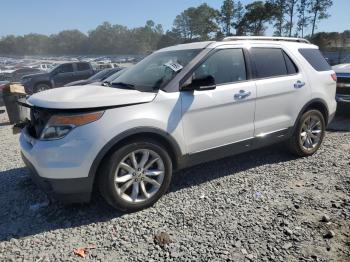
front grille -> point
(38, 121)
(343, 85)
(343, 80)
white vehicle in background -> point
(180, 106)
(45, 66)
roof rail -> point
(267, 38)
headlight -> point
(60, 125)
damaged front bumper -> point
(76, 190)
(61, 167)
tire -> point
(113, 173)
(308, 134)
(41, 87)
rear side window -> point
(315, 59)
(226, 66)
(83, 66)
(269, 62)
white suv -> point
(179, 107)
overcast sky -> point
(20, 17)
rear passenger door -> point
(225, 115)
(282, 89)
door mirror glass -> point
(203, 83)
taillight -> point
(334, 77)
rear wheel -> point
(308, 134)
(136, 175)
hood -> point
(89, 96)
(35, 75)
(342, 68)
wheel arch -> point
(136, 133)
(48, 83)
(318, 104)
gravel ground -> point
(261, 206)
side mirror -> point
(200, 84)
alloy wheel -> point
(311, 132)
(139, 175)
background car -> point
(343, 84)
(98, 77)
(19, 73)
(57, 77)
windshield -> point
(100, 74)
(155, 71)
(53, 68)
(114, 76)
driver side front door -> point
(64, 76)
(225, 115)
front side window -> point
(155, 71)
(65, 68)
(226, 66)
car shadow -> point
(25, 210)
(5, 124)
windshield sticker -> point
(174, 66)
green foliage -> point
(331, 41)
(318, 10)
(193, 24)
(197, 23)
(227, 15)
(257, 15)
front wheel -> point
(136, 175)
(41, 87)
(308, 134)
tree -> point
(184, 24)
(197, 23)
(239, 14)
(68, 42)
(290, 11)
(278, 12)
(227, 15)
(303, 18)
(257, 14)
(318, 9)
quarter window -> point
(315, 59)
(291, 67)
(226, 66)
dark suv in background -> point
(57, 77)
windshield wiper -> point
(106, 83)
(122, 84)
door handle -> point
(242, 94)
(299, 84)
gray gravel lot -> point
(260, 206)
